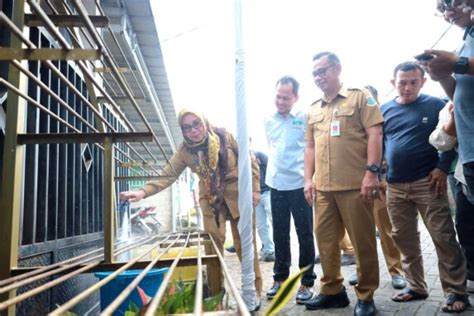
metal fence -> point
(65, 161)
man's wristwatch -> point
(374, 168)
(462, 65)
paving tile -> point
(385, 305)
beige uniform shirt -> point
(183, 158)
(338, 130)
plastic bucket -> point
(150, 284)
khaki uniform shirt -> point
(338, 130)
(183, 158)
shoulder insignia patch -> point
(371, 101)
(354, 88)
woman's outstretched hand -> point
(132, 196)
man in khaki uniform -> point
(342, 164)
(382, 222)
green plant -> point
(178, 298)
(133, 310)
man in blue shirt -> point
(441, 68)
(455, 73)
(264, 212)
(285, 134)
(417, 185)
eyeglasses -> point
(449, 5)
(321, 72)
(187, 128)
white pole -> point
(245, 183)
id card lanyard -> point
(335, 124)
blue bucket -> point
(150, 284)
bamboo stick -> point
(161, 291)
(198, 294)
(126, 292)
(75, 300)
(233, 289)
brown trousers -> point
(404, 202)
(336, 212)
(219, 232)
(390, 250)
(346, 245)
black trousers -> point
(465, 227)
(285, 204)
(468, 170)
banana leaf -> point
(285, 293)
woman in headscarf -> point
(212, 154)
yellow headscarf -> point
(212, 139)
(213, 169)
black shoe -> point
(231, 249)
(304, 294)
(274, 289)
(348, 260)
(323, 301)
(365, 308)
(267, 257)
(317, 259)
(353, 280)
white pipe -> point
(245, 176)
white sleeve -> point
(438, 138)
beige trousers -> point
(390, 250)
(405, 201)
(219, 232)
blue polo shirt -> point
(464, 104)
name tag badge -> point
(335, 128)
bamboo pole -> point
(109, 192)
(62, 267)
(98, 40)
(44, 287)
(126, 292)
(199, 283)
(152, 308)
(42, 269)
(35, 103)
(57, 72)
(13, 156)
(49, 25)
(74, 301)
(233, 289)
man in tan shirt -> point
(342, 164)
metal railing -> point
(161, 245)
(64, 102)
